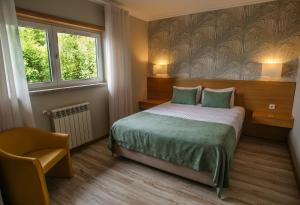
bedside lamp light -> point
(160, 69)
(273, 70)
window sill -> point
(49, 90)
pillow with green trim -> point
(198, 95)
(223, 90)
(184, 96)
(216, 99)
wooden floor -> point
(262, 174)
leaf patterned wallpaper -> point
(230, 43)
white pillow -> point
(198, 95)
(223, 90)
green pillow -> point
(183, 96)
(216, 99)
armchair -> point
(26, 156)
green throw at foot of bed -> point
(202, 146)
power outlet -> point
(272, 106)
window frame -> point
(51, 57)
(54, 59)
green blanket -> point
(202, 146)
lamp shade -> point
(160, 69)
(273, 70)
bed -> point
(191, 141)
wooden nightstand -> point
(149, 103)
(273, 119)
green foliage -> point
(35, 54)
(77, 55)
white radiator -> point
(74, 120)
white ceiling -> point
(149, 10)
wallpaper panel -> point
(229, 44)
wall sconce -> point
(272, 70)
(160, 69)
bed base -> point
(202, 177)
(198, 176)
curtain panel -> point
(118, 62)
(15, 106)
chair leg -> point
(63, 168)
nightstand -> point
(273, 119)
(149, 103)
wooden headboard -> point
(252, 95)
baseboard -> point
(296, 166)
(87, 144)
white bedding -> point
(233, 116)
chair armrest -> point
(23, 179)
(44, 139)
(60, 140)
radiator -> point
(74, 120)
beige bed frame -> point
(198, 176)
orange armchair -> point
(26, 156)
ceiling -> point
(149, 10)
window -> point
(58, 57)
(35, 54)
(77, 56)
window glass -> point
(60, 57)
(35, 50)
(78, 56)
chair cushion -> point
(47, 157)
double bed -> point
(188, 140)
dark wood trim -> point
(37, 17)
(254, 96)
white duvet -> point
(233, 116)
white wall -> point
(294, 140)
(139, 47)
(96, 96)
